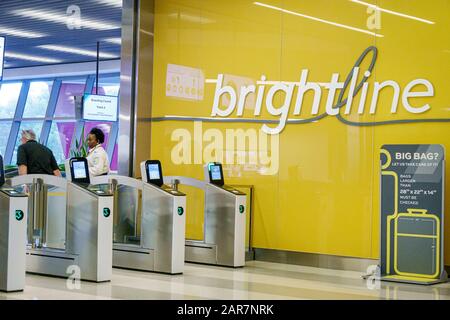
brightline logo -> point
(333, 86)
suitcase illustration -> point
(417, 244)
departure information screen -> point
(79, 170)
(153, 171)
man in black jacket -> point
(35, 158)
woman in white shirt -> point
(97, 157)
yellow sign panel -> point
(316, 184)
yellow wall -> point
(325, 196)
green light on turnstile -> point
(241, 208)
(180, 211)
(19, 215)
(106, 212)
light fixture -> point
(21, 33)
(113, 3)
(151, 34)
(117, 41)
(272, 82)
(318, 19)
(28, 57)
(74, 50)
(392, 12)
(191, 18)
(62, 18)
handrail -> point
(47, 179)
(121, 180)
(187, 181)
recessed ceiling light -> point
(62, 18)
(21, 33)
(117, 41)
(392, 12)
(151, 34)
(28, 57)
(191, 18)
(113, 3)
(340, 25)
(74, 50)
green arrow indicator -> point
(19, 215)
(241, 208)
(180, 211)
(106, 212)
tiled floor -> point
(258, 280)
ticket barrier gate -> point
(13, 230)
(224, 228)
(154, 239)
(87, 219)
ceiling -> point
(59, 31)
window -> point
(37, 100)
(108, 86)
(65, 106)
(5, 128)
(115, 159)
(60, 126)
(9, 95)
(60, 139)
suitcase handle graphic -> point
(417, 211)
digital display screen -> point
(100, 108)
(153, 171)
(79, 170)
(216, 175)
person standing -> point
(97, 157)
(35, 158)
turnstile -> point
(13, 226)
(224, 229)
(88, 214)
(153, 241)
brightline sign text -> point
(333, 87)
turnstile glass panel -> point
(56, 218)
(195, 212)
(46, 216)
(127, 219)
(100, 189)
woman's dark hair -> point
(99, 135)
